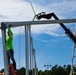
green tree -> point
(21, 71)
(68, 69)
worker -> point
(9, 47)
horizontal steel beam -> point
(16, 24)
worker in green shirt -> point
(9, 47)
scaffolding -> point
(4, 25)
(73, 72)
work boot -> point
(14, 65)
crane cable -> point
(32, 8)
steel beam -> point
(4, 52)
(16, 24)
(26, 51)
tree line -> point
(54, 70)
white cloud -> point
(15, 11)
(48, 29)
(20, 10)
(64, 8)
(10, 1)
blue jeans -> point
(10, 55)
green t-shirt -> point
(9, 40)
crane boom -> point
(49, 16)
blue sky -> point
(50, 42)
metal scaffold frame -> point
(4, 25)
(73, 65)
(22, 23)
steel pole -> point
(26, 50)
(4, 50)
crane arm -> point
(49, 16)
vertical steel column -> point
(26, 50)
(34, 60)
(4, 49)
(31, 40)
(30, 45)
(72, 69)
(32, 54)
(73, 56)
